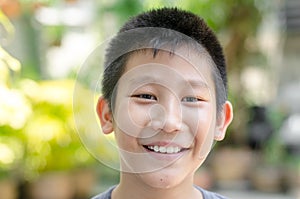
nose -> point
(173, 116)
(168, 117)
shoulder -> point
(105, 195)
(210, 195)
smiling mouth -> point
(164, 149)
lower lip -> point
(166, 156)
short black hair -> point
(177, 25)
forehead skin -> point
(191, 65)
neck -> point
(131, 187)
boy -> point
(164, 97)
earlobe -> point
(105, 116)
(224, 121)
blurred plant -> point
(51, 139)
(12, 104)
(8, 64)
(37, 131)
(7, 28)
(121, 9)
(274, 152)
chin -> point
(162, 179)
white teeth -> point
(163, 149)
(170, 150)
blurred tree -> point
(122, 9)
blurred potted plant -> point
(268, 172)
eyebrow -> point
(145, 79)
(150, 79)
(197, 83)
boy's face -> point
(164, 116)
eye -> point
(191, 99)
(145, 96)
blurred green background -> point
(45, 42)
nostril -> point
(156, 125)
(172, 125)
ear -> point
(223, 121)
(105, 116)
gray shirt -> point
(206, 194)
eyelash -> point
(195, 99)
(152, 97)
(145, 96)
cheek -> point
(131, 118)
(199, 120)
(201, 123)
(125, 144)
(139, 114)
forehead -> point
(187, 64)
